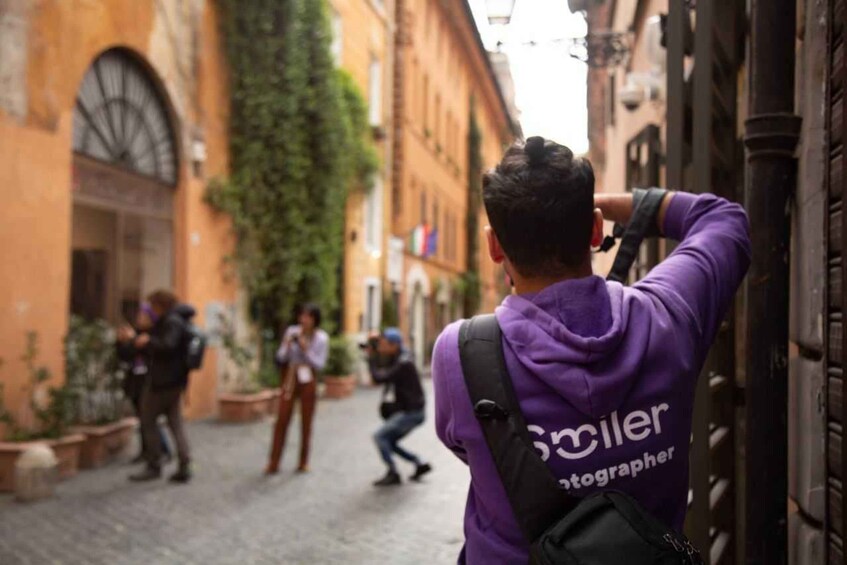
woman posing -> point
(302, 355)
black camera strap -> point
(645, 208)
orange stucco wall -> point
(444, 70)
(63, 39)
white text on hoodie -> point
(611, 431)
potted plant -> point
(339, 380)
(94, 379)
(48, 418)
(269, 380)
(243, 399)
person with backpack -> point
(301, 356)
(573, 406)
(135, 375)
(165, 351)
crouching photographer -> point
(402, 405)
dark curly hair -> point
(540, 202)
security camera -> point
(640, 87)
(631, 96)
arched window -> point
(124, 174)
(120, 118)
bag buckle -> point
(490, 410)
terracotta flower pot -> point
(239, 407)
(339, 387)
(67, 450)
(273, 401)
(104, 443)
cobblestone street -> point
(230, 513)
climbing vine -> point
(471, 282)
(298, 142)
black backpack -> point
(605, 528)
(195, 346)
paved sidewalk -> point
(230, 513)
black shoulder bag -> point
(605, 528)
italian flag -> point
(418, 240)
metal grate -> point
(121, 119)
(643, 159)
(703, 156)
(834, 359)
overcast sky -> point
(550, 86)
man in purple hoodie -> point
(605, 374)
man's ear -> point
(495, 251)
(597, 229)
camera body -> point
(371, 344)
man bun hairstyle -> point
(535, 151)
(540, 202)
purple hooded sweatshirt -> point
(605, 375)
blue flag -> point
(432, 243)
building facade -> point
(442, 76)
(675, 111)
(363, 45)
(114, 118)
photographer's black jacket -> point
(403, 375)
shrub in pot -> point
(243, 399)
(94, 379)
(50, 410)
(339, 380)
(269, 379)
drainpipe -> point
(772, 132)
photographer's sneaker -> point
(390, 479)
(420, 471)
(183, 475)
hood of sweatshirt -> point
(576, 337)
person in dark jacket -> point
(163, 348)
(135, 367)
(392, 366)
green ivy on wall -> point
(471, 283)
(299, 138)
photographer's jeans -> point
(392, 431)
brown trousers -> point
(153, 404)
(291, 390)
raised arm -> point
(618, 207)
(382, 375)
(703, 273)
(284, 351)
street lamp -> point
(499, 11)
